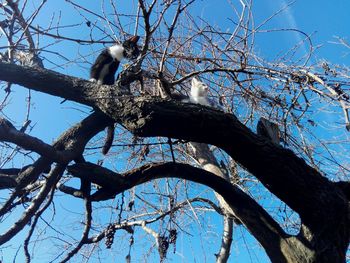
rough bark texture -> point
(253, 216)
(72, 142)
(318, 202)
(322, 205)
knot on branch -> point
(97, 174)
(130, 74)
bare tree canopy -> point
(206, 136)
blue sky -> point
(323, 19)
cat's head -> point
(198, 88)
(131, 50)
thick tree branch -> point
(71, 191)
(24, 178)
(286, 175)
(35, 205)
(74, 139)
(345, 187)
(280, 170)
(7, 181)
(48, 81)
(226, 241)
(259, 223)
(9, 133)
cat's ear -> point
(134, 39)
(194, 82)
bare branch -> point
(31, 143)
(259, 223)
(85, 235)
(32, 209)
(146, 116)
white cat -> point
(199, 93)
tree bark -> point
(73, 141)
(252, 215)
(319, 202)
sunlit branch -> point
(146, 116)
(260, 222)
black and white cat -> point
(104, 68)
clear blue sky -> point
(322, 19)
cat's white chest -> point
(200, 100)
(117, 52)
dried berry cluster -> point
(109, 234)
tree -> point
(161, 137)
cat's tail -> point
(109, 139)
